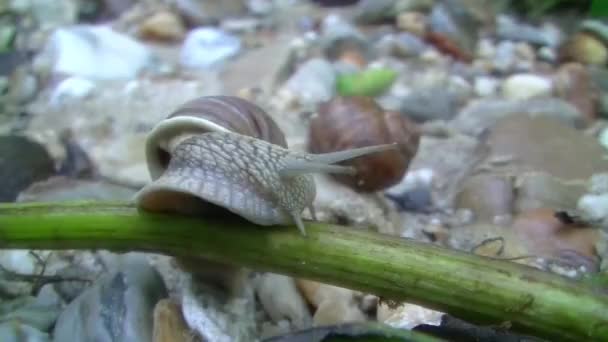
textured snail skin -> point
(262, 182)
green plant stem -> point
(477, 289)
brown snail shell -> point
(210, 114)
(350, 122)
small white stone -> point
(70, 89)
(95, 52)
(206, 47)
(595, 207)
(526, 86)
(485, 86)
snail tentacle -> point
(322, 163)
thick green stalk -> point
(470, 287)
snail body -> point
(198, 164)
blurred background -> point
(499, 108)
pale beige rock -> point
(169, 323)
(407, 316)
(164, 26)
(282, 300)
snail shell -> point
(349, 122)
(200, 166)
(208, 114)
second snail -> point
(225, 153)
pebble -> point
(29, 310)
(207, 47)
(509, 29)
(546, 145)
(119, 305)
(526, 86)
(281, 299)
(94, 52)
(162, 26)
(332, 304)
(169, 323)
(314, 82)
(486, 86)
(414, 22)
(540, 190)
(478, 115)
(585, 48)
(432, 103)
(573, 83)
(202, 12)
(217, 313)
(594, 206)
(23, 162)
(71, 89)
(15, 331)
(407, 316)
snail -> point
(223, 152)
(358, 121)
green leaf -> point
(371, 82)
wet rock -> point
(81, 279)
(486, 86)
(22, 85)
(374, 11)
(402, 45)
(246, 71)
(584, 48)
(49, 13)
(595, 207)
(163, 26)
(28, 310)
(540, 190)
(72, 89)
(281, 300)
(552, 234)
(488, 196)
(453, 29)
(313, 83)
(169, 324)
(544, 144)
(119, 306)
(94, 52)
(260, 7)
(510, 29)
(340, 36)
(414, 22)
(488, 240)
(332, 304)
(574, 84)
(459, 155)
(418, 200)
(504, 58)
(17, 262)
(526, 86)
(407, 316)
(202, 12)
(433, 103)
(206, 47)
(22, 162)
(220, 314)
(16, 331)
(338, 203)
(68, 189)
(482, 114)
